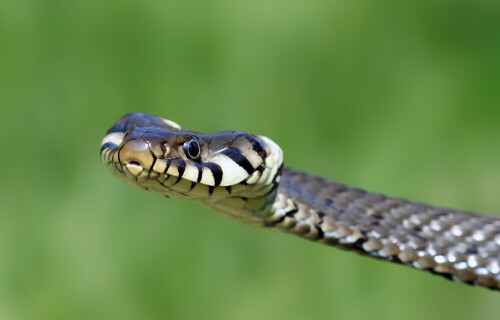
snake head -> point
(158, 155)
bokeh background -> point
(399, 97)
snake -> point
(242, 175)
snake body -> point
(242, 175)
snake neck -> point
(281, 206)
(293, 210)
(253, 208)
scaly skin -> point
(242, 175)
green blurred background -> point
(399, 97)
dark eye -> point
(192, 148)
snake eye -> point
(192, 148)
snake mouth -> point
(183, 178)
(173, 185)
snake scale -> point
(242, 175)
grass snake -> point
(242, 175)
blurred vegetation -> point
(399, 97)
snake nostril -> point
(134, 168)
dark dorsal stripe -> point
(239, 159)
(180, 167)
(216, 171)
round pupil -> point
(193, 149)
